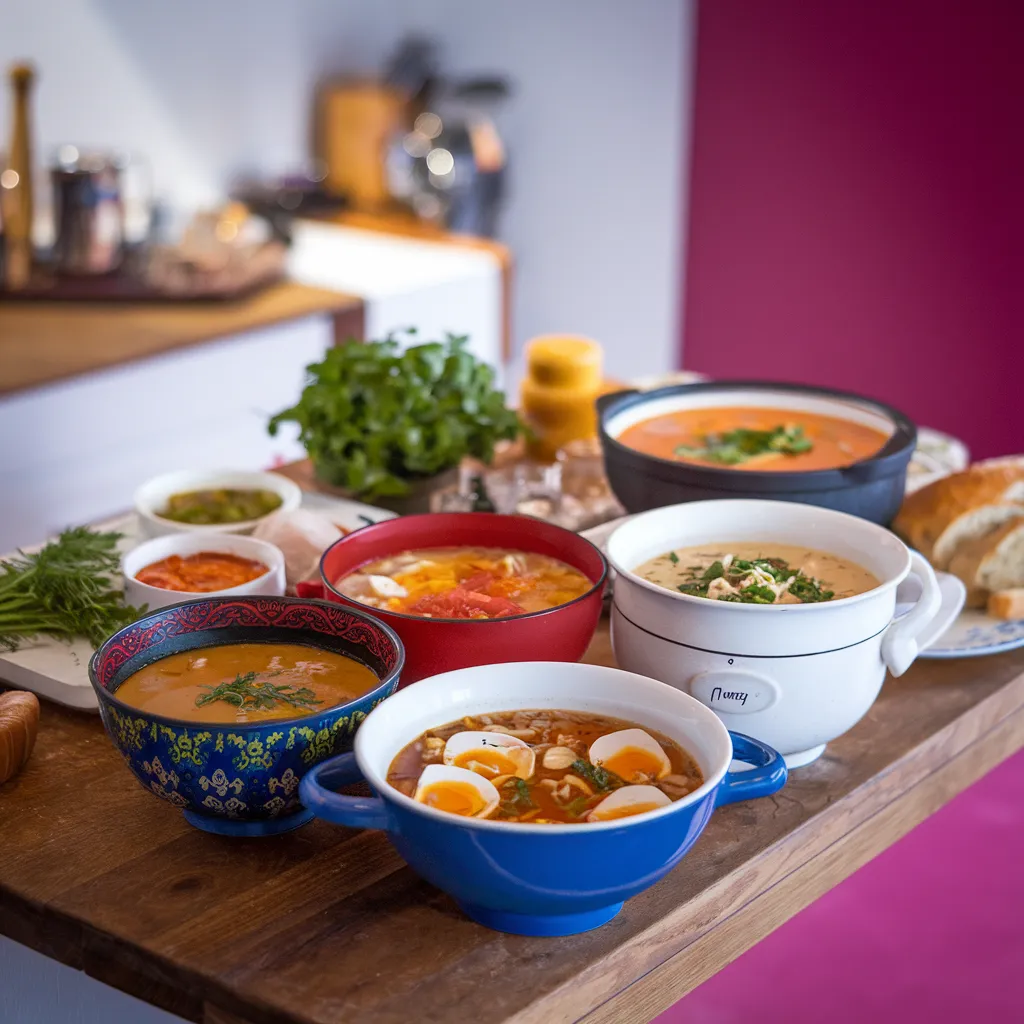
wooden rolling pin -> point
(19, 724)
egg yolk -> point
(634, 764)
(491, 759)
(453, 797)
(623, 812)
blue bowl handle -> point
(316, 791)
(766, 777)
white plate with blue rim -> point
(959, 632)
(975, 634)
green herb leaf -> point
(246, 694)
(809, 590)
(374, 418)
(598, 777)
(521, 797)
(673, 558)
(738, 446)
(577, 806)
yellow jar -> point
(557, 396)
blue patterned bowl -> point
(239, 780)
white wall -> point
(597, 129)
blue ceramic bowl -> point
(540, 879)
(238, 780)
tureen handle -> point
(316, 791)
(899, 645)
(768, 775)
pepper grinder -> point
(16, 185)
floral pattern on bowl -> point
(234, 779)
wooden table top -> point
(44, 342)
(326, 924)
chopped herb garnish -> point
(752, 581)
(809, 590)
(735, 447)
(714, 571)
(598, 777)
(521, 796)
(518, 800)
(673, 557)
(246, 694)
(578, 806)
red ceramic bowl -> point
(440, 645)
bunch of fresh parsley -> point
(373, 417)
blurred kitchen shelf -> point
(44, 342)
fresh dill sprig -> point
(65, 589)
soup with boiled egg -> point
(246, 683)
(465, 583)
(544, 767)
(753, 438)
(757, 573)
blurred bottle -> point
(16, 184)
(557, 396)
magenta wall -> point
(857, 204)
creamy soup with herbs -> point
(237, 683)
(753, 438)
(544, 768)
(757, 573)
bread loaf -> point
(19, 723)
(1007, 604)
(953, 511)
(993, 561)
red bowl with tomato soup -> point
(439, 644)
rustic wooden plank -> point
(213, 1015)
(46, 342)
(325, 924)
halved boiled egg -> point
(632, 754)
(457, 791)
(627, 801)
(490, 754)
(360, 585)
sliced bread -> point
(993, 561)
(960, 508)
(1007, 604)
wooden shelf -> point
(43, 342)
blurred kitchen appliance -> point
(16, 184)
(355, 122)
(418, 140)
(88, 212)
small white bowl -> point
(792, 675)
(151, 498)
(270, 584)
